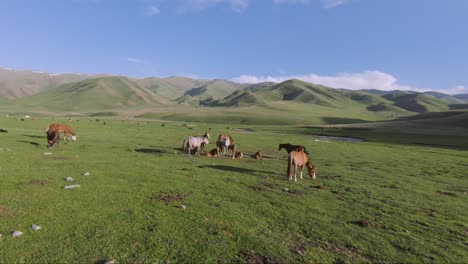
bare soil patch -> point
(251, 257)
(169, 198)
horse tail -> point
(185, 145)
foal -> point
(66, 130)
(299, 158)
(288, 147)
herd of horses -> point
(193, 145)
(297, 154)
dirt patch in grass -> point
(169, 198)
(258, 188)
(34, 182)
(298, 248)
(270, 184)
(251, 257)
(361, 222)
(448, 193)
(294, 191)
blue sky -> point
(383, 44)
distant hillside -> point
(417, 102)
(170, 88)
(15, 84)
(210, 92)
(92, 94)
(463, 97)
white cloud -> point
(333, 3)
(200, 5)
(135, 60)
(353, 81)
(304, 2)
(152, 11)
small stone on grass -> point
(69, 178)
(183, 206)
(36, 227)
(17, 234)
(86, 173)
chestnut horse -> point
(66, 130)
(224, 141)
(288, 147)
(212, 153)
(299, 158)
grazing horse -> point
(53, 136)
(66, 130)
(288, 147)
(299, 158)
(195, 143)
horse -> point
(212, 153)
(232, 150)
(66, 130)
(299, 158)
(238, 155)
(288, 147)
(257, 155)
(53, 136)
(224, 141)
(195, 143)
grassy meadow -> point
(375, 201)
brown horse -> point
(288, 147)
(212, 153)
(232, 149)
(53, 137)
(299, 158)
(66, 130)
(224, 141)
(238, 155)
(257, 155)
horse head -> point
(311, 170)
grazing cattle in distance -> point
(299, 158)
(3, 130)
(195, 143)
(257, 155)
(53, 137)
(66, 130)
(212, 153)
(288, 147)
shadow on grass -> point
(31, 142)
(234, 169)
(339, 120)
(34, 136)
(152, 151)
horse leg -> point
(295, 170)
(302, 169)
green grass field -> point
(377, 201)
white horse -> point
(195, 143)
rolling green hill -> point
(210, 92)
(417, 102)
(15, 84)
(170, 88)
(92, 94)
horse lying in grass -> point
(53, 137)
(212, 153)
(288, 147)
(195, 143)
(257, 155)
(299, 158)
(66, 130)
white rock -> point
(86, 174)
(47, 153)
(1, 236)
(183, 206)
(69, 178)
(17, 234)
(112, 261)
(36, 227)
(71, 186)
